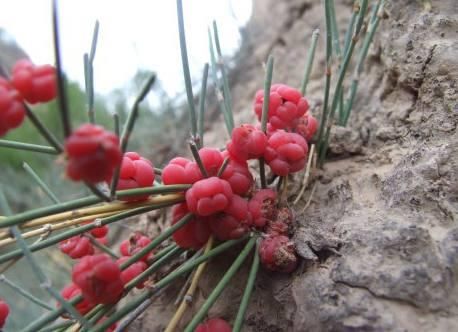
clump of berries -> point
(30, 83)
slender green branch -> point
(351, 26)
(214, 295)
(89, 73)
(102, 247)
(95, 36)
(226, 90)
(203, 94)
(27, 147)
(61, 81)
(334, 29)
(267, 85)
(48, 136)
(218, 88)
(116, 124)
(223, 166)
(309, 61)
(361, 59)
(247, 293)
(195, 154)
(23, 217)
(24, 293)
(262, 173)
(186, 73)
(323, 145)
(40, 182)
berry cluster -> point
(28, 83)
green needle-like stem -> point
(48, 136)
(203, 95)
(40, 182)
(214, 295)
(247, 293)
(61, 84)
(195, 154)
(28, 147)
(267, 85)
(186, 73)
(309, 61)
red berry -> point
(234, 222)
(262, 207)
(212, 159)
(132, 271)
(70, 291)
(77, 247)
(136, 172)
(277, 253)
(209, 196)
(285, 106)
(99, 279)
(4, 312)
(195, 233)
(93, 154)
(247, 143)
(282, 223)
(100, 232)
(306, 126)
(12, 111)
(102, 240)
(286, 153)
(214, 325)
(134, 244)
(35, 83)
(238, 175)
(181, 171)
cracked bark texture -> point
(380, 236)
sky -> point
(135, 34)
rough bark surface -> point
(380, 235)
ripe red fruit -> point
(100, 232)
(285, 106)
(135, 172)
(238, 175)
(262, 207)
(134, 244)
(12, 110)
(132, 271)
(195, 233)
(306, 126)
(76, 247)
(209, 196)
(282, 223)
(93, 154)
(70, 291)
(247, 143)
(212, 159)
(277, 253)
(35, 83)
(181, 171)
(214, 325)
(4, 312)
(234, 222)
(99, 279)
(286, 153)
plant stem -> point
(50, 138)
(24, 293)
(309, 61)
(262, 173)
(23, 217)
(323, 145)
(267, 85)
(186, 73)
(116, 124)
(28, 147)
(223, 166)
(361, 58)
(40, 182)
(102, 247)
(237, 327)
(203, 94)
(214, 295)
(195, 154)
(61, 87)
(164, 282)
(226, 90)
(327, 84)
(218, 88)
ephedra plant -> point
(216, 202)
